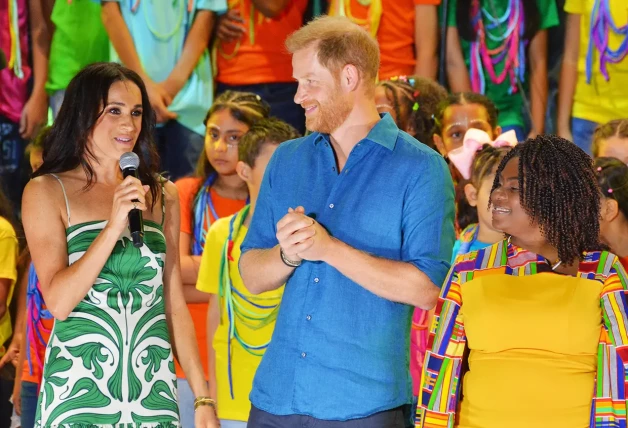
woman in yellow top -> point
(539, 317)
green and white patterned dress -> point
(110, 363)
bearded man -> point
(357, 220)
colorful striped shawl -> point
(440, 380)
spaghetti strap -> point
(163, 204)
(65, 196)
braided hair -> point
(559, 191)
(245, 107)
(464, 98)
(614, 128)
(612, 177)
(414, 100)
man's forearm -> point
(263, 270)
(392, 280)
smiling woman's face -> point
(508, 214)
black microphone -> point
(129, 162)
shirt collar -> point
(384, 133)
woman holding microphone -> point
(119, 309)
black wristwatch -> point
(287, 261)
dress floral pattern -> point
(110, 363)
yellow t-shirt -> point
(243, 363)
(600, 101)
(8, 269)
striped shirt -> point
(440, 383)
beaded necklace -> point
(204, 210)
(237, 305)
(177, 26)
(602, 24)
(15, 57)
(511, 51)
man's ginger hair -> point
(339, 42)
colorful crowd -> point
(518, 185)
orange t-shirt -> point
(266, 60)
(395, 34)
(188, 187)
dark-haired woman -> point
(612, 177)
(499, 48)
(119, 310)
(540, 317)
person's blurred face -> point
(457, 120)
(614, 147)
(222, 137)
(326, 104)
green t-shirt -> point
(510, 105)
(79, 39)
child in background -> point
(611, 140)
(216, 191)
(456, 115)
(593, 85)
(166, 43)
(499, 48)
(412, 102)
(239, 324)
(477, 161)
(9, 251)
(612, 176)
(33, 322)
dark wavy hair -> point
(65, 146)
(558, 190)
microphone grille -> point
(129, 160)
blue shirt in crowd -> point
(339, 351)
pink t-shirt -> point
(13, 88)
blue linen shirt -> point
(338, 351)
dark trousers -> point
(280, 96)
(394, 418)
(179, 149)
(14, 169)
(29, 398)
